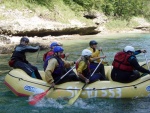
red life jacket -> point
(49, 53)
(121, 61)
(11, 63)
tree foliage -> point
(117, 8)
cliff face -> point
(16, 23)
(20, 23)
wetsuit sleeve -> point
(52, 63)
(137, 52)
(136, 65)
(31, 49)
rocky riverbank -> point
(16, 24)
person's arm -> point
(31, 49)
(139, 51)
(136, 65)
(96, 56)
(52, 63)
(80, 69)
(68, 63)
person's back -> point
(126, 67)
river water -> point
(111, 44)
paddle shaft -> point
(105, 58)
(146, 61)
(93, 72)
(37, 55)
(38, 97)
(63, 76)
(72, 100)
(96, 68)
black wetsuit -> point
(20, 61)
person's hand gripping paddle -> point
(40, 96)
(72, 100)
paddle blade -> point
(72, 100)
(37, 98)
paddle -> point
(72, 100)
(105, 62)
(38, 54)
(39, 97)
(146, 61)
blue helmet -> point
(53, 44)
(24, 39)
(58, 49)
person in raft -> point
(18, 58)
(126, 67)
(83, 70)
(95, 58)
(55, 68)
(51, 52)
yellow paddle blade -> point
(104, 62)
(72, 100)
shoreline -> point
(6, 48)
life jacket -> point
(86, 72)
(49, 53)
(121, 61)
(58, 71)
(11, 63)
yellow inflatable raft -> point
(23, 85)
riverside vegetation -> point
(119, 13)
(42, 18)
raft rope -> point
(135, 86)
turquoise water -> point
(9, 103)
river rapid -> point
(9, 103)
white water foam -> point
(49, 103)
(61, 103)
(83, 104)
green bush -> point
(118, 24)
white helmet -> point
(86, 52)
(129, 48)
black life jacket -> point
(58, 71)
(121, 61)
